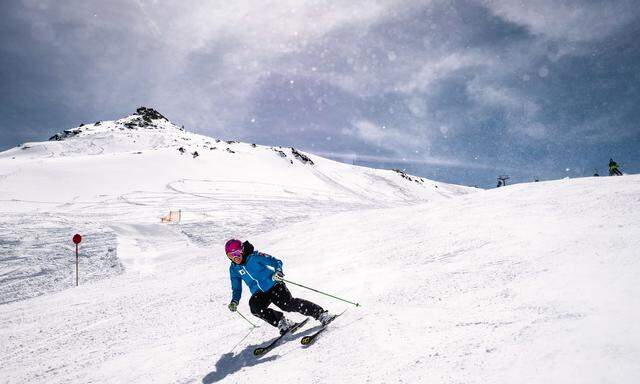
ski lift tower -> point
(502, 180)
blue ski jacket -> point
(256, 271)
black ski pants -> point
(281, 297)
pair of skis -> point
(262, 350)
(306, 340)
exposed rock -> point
(279, 152)
(149, 114)
(64, 134)
(405, 176)
(300, 156)
(144, 118)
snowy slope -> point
(529, 283)
(91, 178)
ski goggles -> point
(235, 256)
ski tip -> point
(305, 340)
(258, 351)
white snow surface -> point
(532, 283)
(110, 174)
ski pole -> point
(326, 294)
(248, 321)
(245, 336)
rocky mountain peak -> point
(149, 114)
(144, 117)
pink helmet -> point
(233, 249)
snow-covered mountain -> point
(531, 283)
(93, 178)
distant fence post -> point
(76, 240)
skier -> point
(613, 168)
(263, 275)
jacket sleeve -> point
(236, 285)
(270, 261)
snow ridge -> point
(144, 118)
(96, 178)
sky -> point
(457, 91)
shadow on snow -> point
(229, 363)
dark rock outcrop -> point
(146, 117)
(64, 134)
(405, 176)
(279, 152)
(302, 157)
(149, 114)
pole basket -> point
(172, 217)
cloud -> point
(205, 58)
(237, 45)
(574, 21)
(382, 136)
(520, 113)
(502, 80)
(428, 160)
(431, 70)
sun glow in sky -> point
(459, 91)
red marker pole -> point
(76, 240)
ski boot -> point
(325, 318)
(284, 325)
